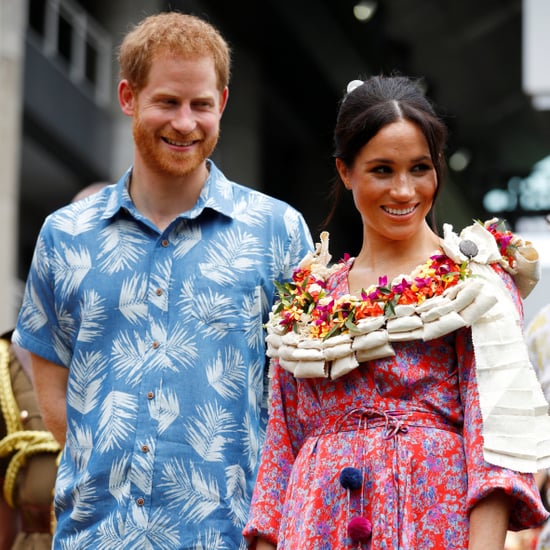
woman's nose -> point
(403, 187)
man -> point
(144, 313)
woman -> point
(380, 434)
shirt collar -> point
(216, 194)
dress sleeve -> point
(483, 478)
(283, 440)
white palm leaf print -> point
(208, 431)
(64, 480)
(296, 227)
(41, 260)
(210, 540)
(234, 253)
(77, 219)
(88, 373)
(215, 310)
(257, 381)
(82, 539)
(84, 498)
(294, 223)
(165, 409)
(92, 315)
(71, 266)
(141, 473)
(252, 440)
(252, 210)
(118, 412)
(132, 301)
(110, 537)
(236, 493)
(279, 259)
(119, 484)
(128, 352)
(122, 245)
(80, 445)
(34, 316)
(62, 333)
(181, 347)
(159, 531)
(252, 319)
(227, 373)
(189, 237)
(196, 496)
(60, 341)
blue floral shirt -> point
(163, 337)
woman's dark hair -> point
(372, 105)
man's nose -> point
(184, 120)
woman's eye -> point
(421, 168)
(382, 170)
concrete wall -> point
(12, 40)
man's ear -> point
(223, 99)
(126, 97)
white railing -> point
(73, 40)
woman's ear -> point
(343, 172)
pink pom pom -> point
(359, 529)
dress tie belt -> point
(393, 422)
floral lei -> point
(306, 308)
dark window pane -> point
(91, 63)
(64, 39)
(37, 16)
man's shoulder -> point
(76, 216)
(243, 190)
(260, 198)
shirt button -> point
(158, 292)
(164, 243)
(150, 395)
(155, 345)
(140, 501)
(145, 448)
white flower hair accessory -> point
(352, 85)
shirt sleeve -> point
(38, 329)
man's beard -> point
(171, 163)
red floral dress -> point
(410, 425)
